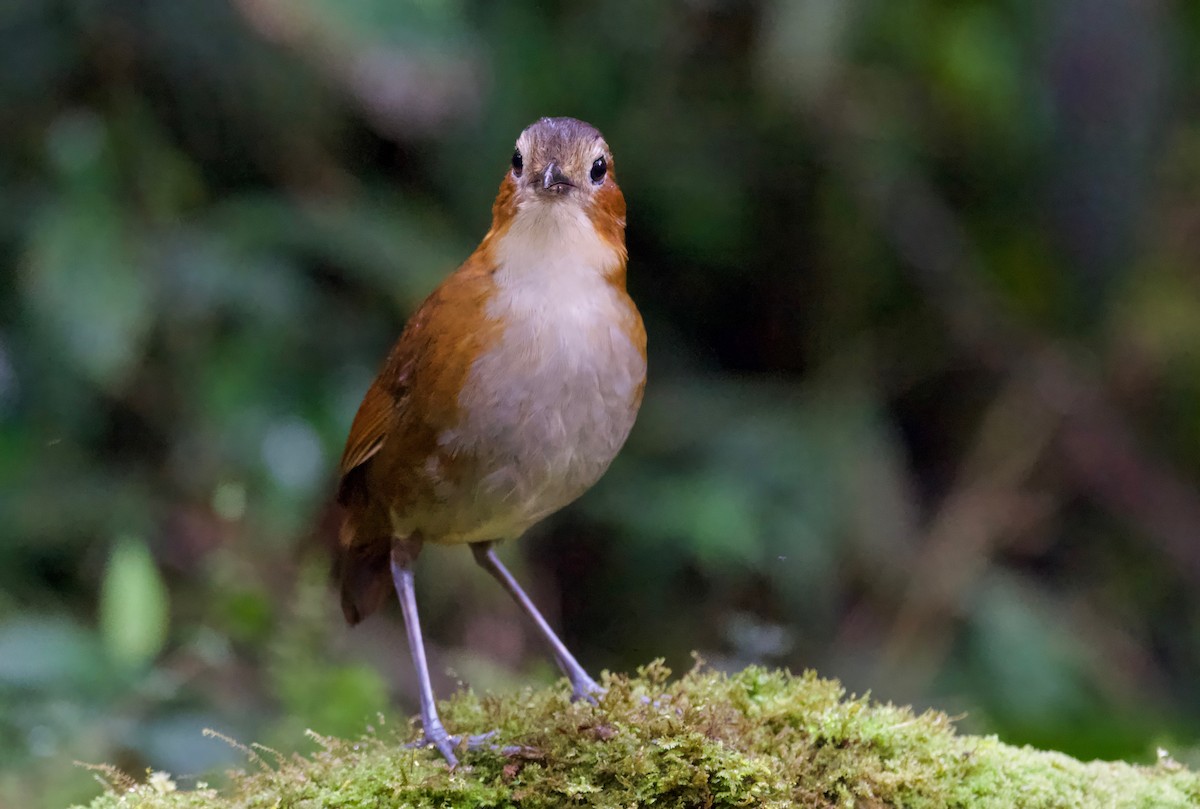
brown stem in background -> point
(1051, 404)
(986, 508)
(1103, 456)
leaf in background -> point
(979, 67)
(1041, 664)
(82, 284)
(408, 64)
(82, 281)
(381, 240)
(175, 741)
(45, 651)
(133, 605)
(801, 45)
(315, 690)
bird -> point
(508, 394)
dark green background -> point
(920, 280)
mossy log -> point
(755, 739)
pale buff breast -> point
(546, 409)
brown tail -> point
(362, 571)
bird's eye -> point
(599, 169)
(517, 162)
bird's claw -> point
(447, 744)
(586, 691)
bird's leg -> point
(582, 685)
(404, 554)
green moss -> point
(755, 739)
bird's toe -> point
(447, 745)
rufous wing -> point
(396, 427)
(369, 429)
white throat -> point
(552, 250)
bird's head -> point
(561, 171)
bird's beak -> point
(554, 181)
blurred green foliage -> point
(133, 605)
(924, 406)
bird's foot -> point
(447, 744)
(585, 689)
